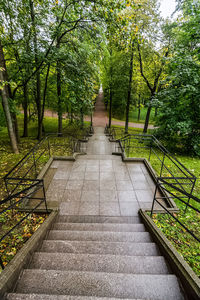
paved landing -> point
(100, 183)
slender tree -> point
(5, 94)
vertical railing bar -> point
(1, 264)
(44, 194)
(154, 198)
(34, 164)
(190, 194)
(162, 165)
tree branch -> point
(141, 70)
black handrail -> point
(34, 155)
(174, 186)
(157, 199)
(18, 198)
(153, 143)
(27, 184)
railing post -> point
(150, 151)
(129, 140)
(154, 198)
(6, 185)
(190, 194)
(8, 191)
(34, 164)
(1, 263)
(44, 193)
(162, 165)
(49, 148)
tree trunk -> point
(25, 107)
(129, 90)
(156, 112)
(44, 98)
(82, 117)
(139, 109)
(15, 126)
(71, 115)
(39, 106)
(111, 92)
(153, 88)
(147, 120)
(5, 102)
(110, 109)
(59, 99)
(38, 81)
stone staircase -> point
(96, 257)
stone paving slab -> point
(100, 183)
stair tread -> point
(99, 227)
(100, 263)
(94, 247)
(100, 284)
(99, 236)
(15, 296)
(98, 219)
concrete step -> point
(15, 296)
(152, 287)
(99, 236)
(97, 219)
(99, 227)
(100, 263)
(89, 247)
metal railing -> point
(32, 190)
(165, 164)
(181, 197)
(173, 177)
(30, 165)
(114, 132)
(21, 182)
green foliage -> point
(179, 118)
(179, 113)
(133, 115)
(187, 246)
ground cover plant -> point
(185, 244)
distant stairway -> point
(85, 258)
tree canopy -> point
(56, 54)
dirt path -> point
(100, 118)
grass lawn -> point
(133, 116)
(185, 244)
